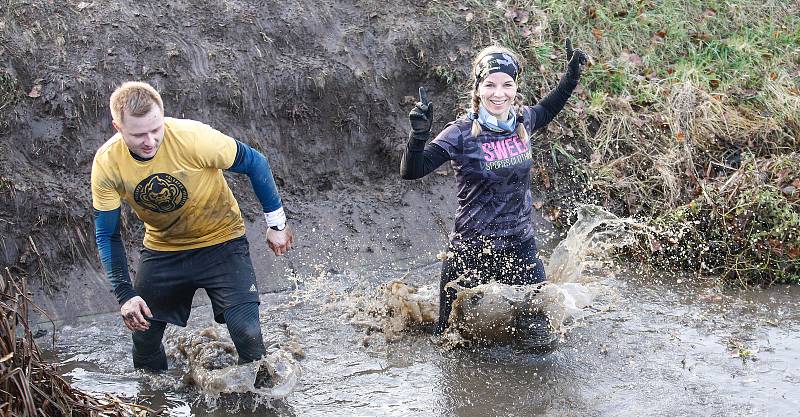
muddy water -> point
(649, 346)
(664, 348)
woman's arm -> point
(547, 108)
(420, 159)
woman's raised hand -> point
(576, 59)
(421, 116)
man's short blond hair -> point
(134, 97)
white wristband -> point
(275, 218)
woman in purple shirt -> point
(490, 152)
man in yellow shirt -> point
(170, 172)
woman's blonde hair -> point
(135, 97)
(519, 100)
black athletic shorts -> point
(167, 281)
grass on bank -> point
(9, 92)
(678, 95)
(745, 229)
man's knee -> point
(150, 360)
(249, 343)
(245, 330)
(243, 319)
(148, 351)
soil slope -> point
(322, 88)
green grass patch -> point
(5, 184)
(729, 47)
(446, 74)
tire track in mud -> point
(199, 66)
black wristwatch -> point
(278, 228)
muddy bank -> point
(319, 87)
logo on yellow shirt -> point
(161, 193)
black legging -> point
(243, 325)
(517, 265)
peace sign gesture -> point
(421, 116)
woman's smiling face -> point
(497, 92)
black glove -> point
(576, 59)
(421, 116)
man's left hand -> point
(280, 241)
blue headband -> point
(496, 62)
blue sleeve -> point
(251, 162)
(112, 253)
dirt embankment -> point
(320, 87)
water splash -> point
(400, 307)
(406, 307)
(487, 312)
(587, 244)
(209, 360)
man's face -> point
(143, 134)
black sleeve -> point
(420, 159)
(547, 108)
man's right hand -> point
(280, 241)
(134, 312)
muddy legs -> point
(148, 351)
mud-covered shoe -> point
(263, 378)
(534, 333)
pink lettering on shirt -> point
(504, 149)
(488, 155)
(512, 147)
(500, 149)
(522, 146)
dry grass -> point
(745, 228)
(29, 386)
